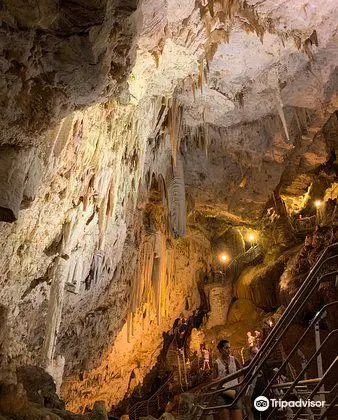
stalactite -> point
(111, 204)
(200, 75)
(168, 280)
(281, 114)
(146, 267)
(59, 275)
(211, 7)
(176, 199)
(205, 74)
(75, 273)
(97, 266)
(174, 126)
(102, 213)
(156, 58)
(142, 284)
(159, 274)
(206, 139)
(193, 87)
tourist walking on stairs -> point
(224, 365)
(206, 357)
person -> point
(183, 332)
(254, 340)
(176, 324)
(251, 339)
(224, 365)
(206, 357)
(258, 339)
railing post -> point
(185, 370)
(179, 367)
(303, 361)
(320, 360)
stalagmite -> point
(59, 276)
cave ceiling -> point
(251, 79)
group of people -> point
(182, 329)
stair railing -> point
(317, 387)
(147, 404)
(293, 309)
(292, 385)
(294, 349)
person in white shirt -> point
(206, 357)
(224, 365)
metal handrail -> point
(294, 349)
(238, 257)
(272, 336)
(297, 380)
(233, 376)
(275, 335)
(314, 392)
(331, 405)
(300, 383)
(145, 403)
(294, 383)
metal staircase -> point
(152, 405)
(315, 379)
(175, 357)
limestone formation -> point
(140, 140)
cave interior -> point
(168, 179)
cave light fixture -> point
(252, 237)
(318, 203)
(224, 258)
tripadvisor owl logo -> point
(261, 403)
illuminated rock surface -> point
(133, 135)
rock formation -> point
(137, 141)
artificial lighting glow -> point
(224, 258)
(318, 203)
(251, 237)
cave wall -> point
(224, 108)
(138, 344)
(76, 269)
